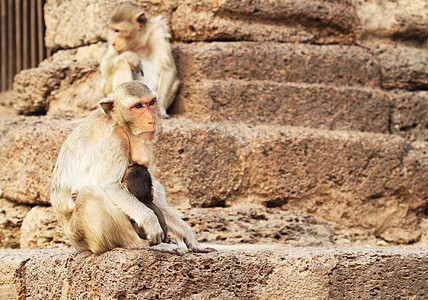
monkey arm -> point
(175, 224)
(107, 61)
(137, 211)
(167, 86)
(106, 67)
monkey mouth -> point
(147, 132)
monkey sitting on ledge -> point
(138, 182)
(139, 50)
(87, 194)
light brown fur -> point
(87, 193)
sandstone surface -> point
(296, 124)
(11, 218)
(369, 181)
(310, 273)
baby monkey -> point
(138, 181)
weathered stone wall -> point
(297, 123)
(315, 109)
(142, 274)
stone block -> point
(311, 273)
(40, 229)
(320, 64)
(29, 147)
(11, 217)
(68, 82)
(410, 114)
(291, 21)
(277, 103)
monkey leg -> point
(175, 224)
(99, 225)
(122, 72)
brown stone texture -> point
(373, 182)
(70, 23)
(69, 81)
(294, 104)
(399, 20)
(296, 21)
(347, 279)
(299, 85)
(301, 123)
(11, 218)
(40, 229)
(243, 225)
(404, 68)
(410, 114)
(327, 64)
(312, 273)
(351, 179)
(29, 147)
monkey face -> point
(121, 38)
(125, 24)
(142, 114)
(133, 105)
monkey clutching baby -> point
(138, 182)
(87, 194)
(139, 50)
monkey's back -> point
(83, 161)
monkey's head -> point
(133, 105)
(138, 181)
(126, 24)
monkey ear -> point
(141, 19)
(107, 104)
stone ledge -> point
(323, 64)
(371, 181)
(294, 21)
(308, 273)
(282, 103)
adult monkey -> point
(87, 193)
(139, 50)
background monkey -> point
(138, 182)
(87, 193)
(139, 49)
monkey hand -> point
(133, 61)
(153, 230)
(193, 245)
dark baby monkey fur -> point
(138, 181)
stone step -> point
(280, 103)
(321, 21)
(307, 273)
(358, 180)
(36, 227)
(327, 64)
(295, 21)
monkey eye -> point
(139, 105)
(153, 102)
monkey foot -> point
(170, 248)
(170, 240)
